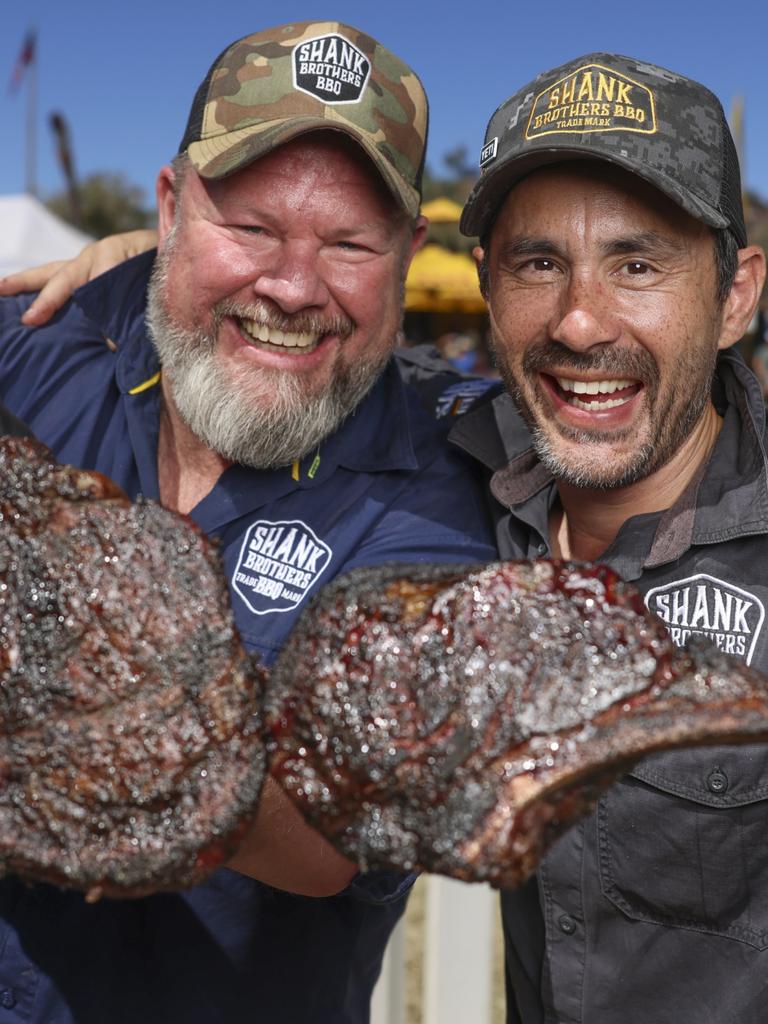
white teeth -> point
(270, 335)
(610, 403)
(593, 387)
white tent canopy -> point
(31, 234)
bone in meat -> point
(458, 719)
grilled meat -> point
(130, 749)
(458, 719)
(447, 718)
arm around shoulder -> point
(55, 282)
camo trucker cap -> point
(269, 87)
(666, 129)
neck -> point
(187, 469)
(586, 522)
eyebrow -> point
(644, 242)
(525, 245)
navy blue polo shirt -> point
(383, 488)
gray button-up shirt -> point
(654, 910)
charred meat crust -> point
(131, 752)
(458, 719)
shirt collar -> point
(729, 497)
(116, 302)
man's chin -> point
(592, 465)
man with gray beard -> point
(272, 426)
(258, 395)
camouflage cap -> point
(666, 129)
(267, 88)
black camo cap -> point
(667, 129)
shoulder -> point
(73, 320)
(27, 346)
(51, 370)
(109, 308)
(13, 307)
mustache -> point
(268, 313)
(637, 364)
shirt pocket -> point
(683, 842)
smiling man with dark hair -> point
(615, 263)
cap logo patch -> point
(593, 99)
(331, 69)
(488, 152)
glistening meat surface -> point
(454, 719)
(131, 753)
(458, 719)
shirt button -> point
(717, 781)
(7, 998)
(542, 549)
(567, 924)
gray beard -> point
(264, 419)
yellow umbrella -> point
(441, 281)
(442, 211)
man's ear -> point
(166, 203)
(418, 239)
(481, 261)
(741, 303)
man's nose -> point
(293, 280)
(585, 315)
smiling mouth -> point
(271, 339)
(595, 395)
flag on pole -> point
(25, 58)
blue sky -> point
(124, 74)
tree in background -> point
(108, 203)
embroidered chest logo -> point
(593, 99)
(278, 565)
(331, 69)
(706, 606)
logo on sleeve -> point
(457, 398)
(593, 99)
(278, 565)
(705, 606)
(331, 69)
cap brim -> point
(220, 155)
(491, 190)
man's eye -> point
(636, 267)
(543, 264)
